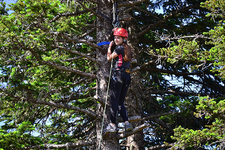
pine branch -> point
(171, 91)
(135, 130)
(68, 14)
(93, 1)
(77, 53)
(175, 37)
(131, 3)
(63, 68)
(62, 146)
(156, 147)
(73, 95)
(167, 71)
(135, 69)
(146, 12)
(139, 118)
(90, 10)
(99, 100)
(63, 105)
(82, 80)
(161, 58)
(51, 103)
(75, 40)
(87, 33)
(158, 23)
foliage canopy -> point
(53, 75)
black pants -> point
(119, 85)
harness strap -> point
(127, 70)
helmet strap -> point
(124, 39)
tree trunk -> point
(104, 28)
(134, 95)
(135, 141)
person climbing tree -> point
(120, 79)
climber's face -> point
(118, 40)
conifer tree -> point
(54, 75)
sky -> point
(9, 1)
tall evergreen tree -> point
(54, 76)
(210, 108)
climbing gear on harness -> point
(127, 70)
(117, 79)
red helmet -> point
(121, 32)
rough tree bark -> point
(134, 108)
(104, 28)
(134, 96)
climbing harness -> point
(127, 70)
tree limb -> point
(131, 3)
(78, 41)
(172, 72)
(63, 68)
(65, 106)
(62, 146)
(51, 103)
(159, 58)
(171, 91)
(90, 10)
(93, 1)
(68, 14)
(146, 12)
(139, 118)
(175, 37)
(167, 145)
(135, 69)
(87, 33)
(158, 23)
(77, 53)
(135, 130)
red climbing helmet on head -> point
(121, 32)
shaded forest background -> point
(54, 76)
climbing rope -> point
(115, 24)
(115, 21)
(107, 93)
